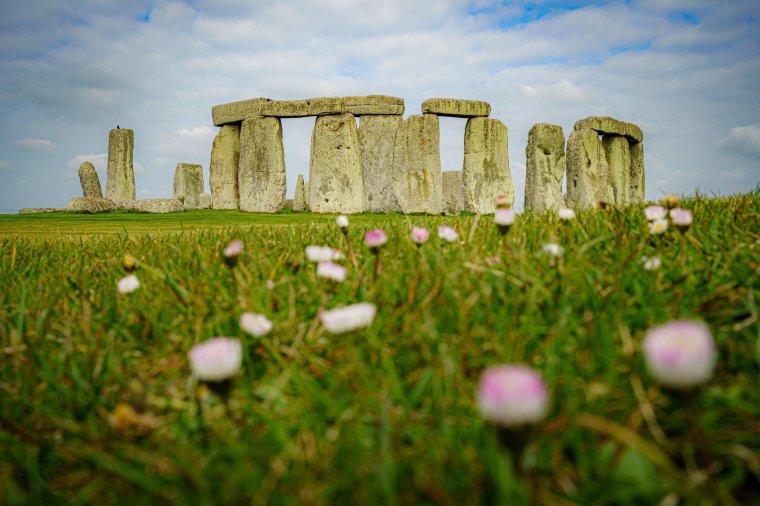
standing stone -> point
(88, 178)
(486, 165)
(120, 180)
(204, 201)
(453, 192)
(544, 168)
(261, 174)
(618, 157)
(335, 172)
(188, 184)
(223, 169)
(306, 196)
(299, 198)
(587, 170)
(376, 138)
(417, 165)
(636, 190)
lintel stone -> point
(302, 108)
(368, 105)
(236, 112)
(456, 108)
(606, 125)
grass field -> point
(97, 403)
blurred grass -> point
(384, 415)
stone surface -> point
(618, 157)
(90, 205)
(453, 191)
(125, 205)
(335, 173)
(188, 184)
(485, 172)
(456, 108)
(159, 206)
(299, 197)
(587, 170)
(544, 168)
(636, 190)
(611, 126)
(261, 174)
(374, 104)
(34, 210)
(223, 169)
(120, 180)
(204, 201)
(376, 138)
(288, 204)
(417, 165)
(301, 108)
(236, 112)
(306, 196)
(89, 180)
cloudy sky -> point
(686, 71)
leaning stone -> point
(89, 180)
(610, 126)
(120, 180)
(587, 170)
(302, 108)
(223, 169)
(299, 201)
(456, 108)
(335, 172)
(618, 156)
(636, 190)
(204, 201)
(374, 104)
(236, 112)
(486, 165)
(34, 210)
(188, 184)
(417, 165)
(261, 174)
(159, 206)
(453, 194)
(90, 205)
(376, 138)
(544, 168)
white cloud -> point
(98, 160)
(744, 140)
(33, 144)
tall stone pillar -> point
(636, 190)
(188, 184)
(376, 138)
(261, 173)
(486, 164)
(453, 191)
(618, 157)
(299, 200)
(544, 168)
(223, 169)
(587, 170)
(417, 165)
(120, 179)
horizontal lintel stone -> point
(369, 105)
(610, 126)
(302, 108)
(456, 108)
(236, 112)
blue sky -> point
(686, 71)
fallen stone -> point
(90, 205)
(335, 173)
(188, 184)
(374, 104)
(376, 138)
(89, 180)
(204, 201)
(159, 206)
(456, 108)
(299, 197)
(618, 156)
(417, 165)
(34, 210)
(544, 168)
(302, 108)
(125, 205)
(486, 165)
(120, 179)
(236, 112)
(261, 174)
(610, 126)
(223, 169)
(453, 192)
(587, 170)
(636, 190)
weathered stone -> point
(456, 108)
(610, 126)
(636, 190)
(159, 206)
(34, 210)
(587, 170)
(236, 112)
(301, 108)
(188, 184)
(288, 204)
(486, 165)
(453, 192)
(223, 169)
(417, 165)
(335, 172)
(299, 197)
(125, 205)
(544, 168)
(89, 180)
(120, 180)
(204, 201)
(91, 204)
(374, 104)
(376, 137)
(306, 196)
(618, 157)
(261, 174)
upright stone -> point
(636, 190)
(306, 196)
(223, 169)
(120, 180)
(188, 184)
(618, 157)
(88, 178)
(261, 174)
(204, 201)
(544, 168)
(453, 191)
(335, 173)
(417, 165)
(376, 138)
(486, 164)
(299, 200)
(587, 170)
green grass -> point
(384, 415)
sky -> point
(686, 71)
